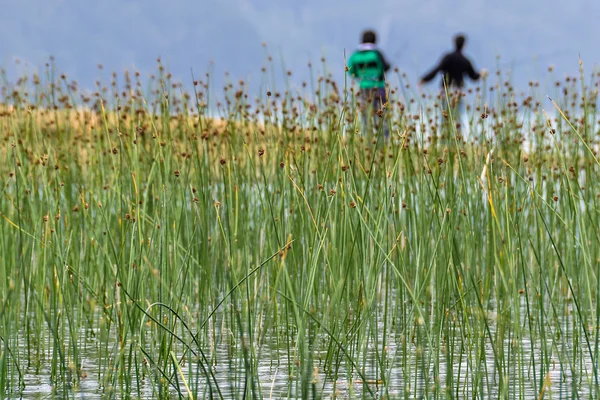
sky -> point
(227, 35)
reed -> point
(160, 242)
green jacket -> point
(368, 66)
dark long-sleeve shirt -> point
(453, 66)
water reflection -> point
(458, 361)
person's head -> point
(369, 36)
(459, 41)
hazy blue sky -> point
(131, 34)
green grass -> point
(154, 246)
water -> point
(415, 366)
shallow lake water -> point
(410, 370)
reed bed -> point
(208, 243)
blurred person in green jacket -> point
(368, 66)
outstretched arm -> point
(471, 71)
(431, 74)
